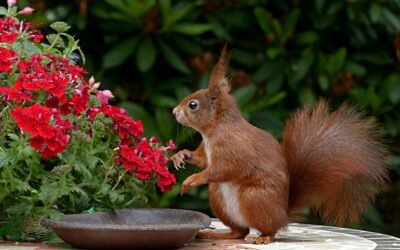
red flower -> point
(48, 130)
(32, 119)
(146, 162)
(123, 124)
(80, 100)
(9, 30)
(7, 58)
(16, 93)
(8, 27)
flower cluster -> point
(47, 96)
(147, 161)
(10, 30)
(49, 132)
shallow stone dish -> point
(130, 228)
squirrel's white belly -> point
(230, 197)
(229, 192)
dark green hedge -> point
(285, 54)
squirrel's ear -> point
(218, 82)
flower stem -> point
(54, 42)
(119, 180)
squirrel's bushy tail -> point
(335, 161)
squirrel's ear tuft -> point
(218, 82)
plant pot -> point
(130, 228)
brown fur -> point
(331, 162)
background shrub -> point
(285, 54)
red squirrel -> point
(329, 161)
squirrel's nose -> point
(175, 111)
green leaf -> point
(268, 121)
(54, 214)
(246, 58)
(391, 18)
(392, 85)
(50, 192)
(165, 7)
(336, 61)
(355, 68)
(163, 101)
(274, 52)
(182, 91)
(372, 214)
(31, 47)
(278, 30)
(244, 94)
(119, 5)
(335, 7)
(54, 38)
(146, 55)
(82, 55)
(173, 58)
(319, 5)
(22, 185)
(60, 27)
(377, 58)
(187, 45)
(113, 195)
(307, 96)
(264, 102)
(264, 20)
(173, 16)
(164, 121)
(307, 38)
(3, 11)
(21, 208)
(120, 52)
(139, 8)
(13, 11)
(375, 12)
(291, 23)
(265, 71)
(5, 158)
(13, 137)
(72, 46)
(275, 83)
(192, 29)
(323, 82)
(302, 68)
(372, 98)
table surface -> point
(296, 236)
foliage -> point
(285, 54)
(63, 147)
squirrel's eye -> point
(193, 105)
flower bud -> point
(171, 145)
(11, 3)
(91, 80)
(26, 11)
(96, 85)
(103, 96)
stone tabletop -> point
(295, 236)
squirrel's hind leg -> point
(264, 209)
(217, 205)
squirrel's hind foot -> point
(263, 239)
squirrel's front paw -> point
(180, 158)
(191, 182)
